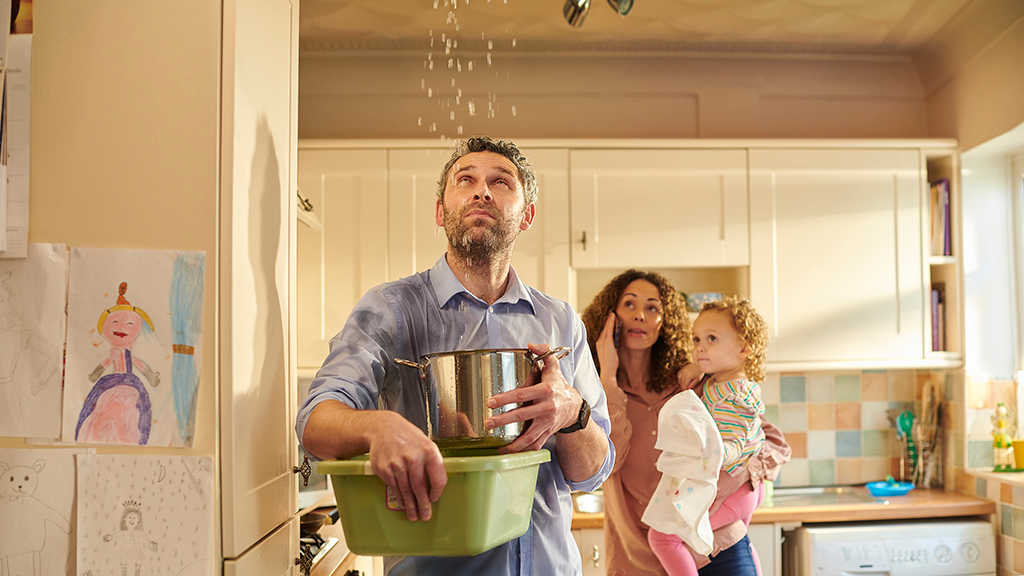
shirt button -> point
(491, 309)
(649, 408)
(654, 432)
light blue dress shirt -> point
(432, 312)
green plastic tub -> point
(488, 501)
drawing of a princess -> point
(117, 409)
(132, 540)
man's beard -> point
(467, 242)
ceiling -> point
(885, 27)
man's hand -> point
(549, 405)
(411, 465)
(400, 453)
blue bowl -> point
(887, 489)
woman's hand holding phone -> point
(607, 348)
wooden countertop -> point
(918, 503)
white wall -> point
(607, 95)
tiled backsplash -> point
(836, 422)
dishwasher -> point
(948, 547)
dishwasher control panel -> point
(948, 548)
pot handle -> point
(410, 363)
(559, 353)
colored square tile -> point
(821, 444)
(875, 442)
(848, 388)
(979, 454)
(979, 392)
(821, 388)
(1004, 551)
(821, 472)
(770, 389)
(793, 417)
(1018, 557)
(874, 385)
(848, 443)
(792, 389)
(849, 471)
(981, 487)
(1006, 493)
(901, 386)
(1004, 391)
(873, 415)
(821, 416)
(794, 473)
(1006, 520)
(798, 442)
(771, 413)
(875, 468)
(1018, 523)
(847, 415)
(1018, 497)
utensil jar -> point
(457, 385)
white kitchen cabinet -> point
(273, 556)
(836, 253)
(651, 208)
(376, 206)
(337, 264)
(591, 544)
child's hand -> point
(689, 376)
(607, 351)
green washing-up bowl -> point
(487, 501)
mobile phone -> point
(618, 328)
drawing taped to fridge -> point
(133, 346)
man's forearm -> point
(336, 430)
(582, 453)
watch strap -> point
(581, 420)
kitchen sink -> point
(588, 502)
(820, 496)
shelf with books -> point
(944, 297)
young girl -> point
(132, 540)
(729, 339)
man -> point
(363, 402)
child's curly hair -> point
(674, 345)
(752, 329)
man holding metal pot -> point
(363, 401)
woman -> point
(639, 333)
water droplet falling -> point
(419, 121)
(430, 92)
(451, 115)
(490, 45)
(513, 110)
(472, 108)
(470, 65)
(513, 42)
(488, 58)
(460, 130)
(450, 62)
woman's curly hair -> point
(674, 344)
(752, 329)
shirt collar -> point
(447, 286)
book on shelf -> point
(938, 314)
(940, 212)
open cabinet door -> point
(258, 447)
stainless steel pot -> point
(457, 385)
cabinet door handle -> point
(596, 557)
(584, 240)
(305, 470)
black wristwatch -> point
(581, 421)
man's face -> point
(484, 208)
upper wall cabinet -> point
(837, 259)
(643, 208)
